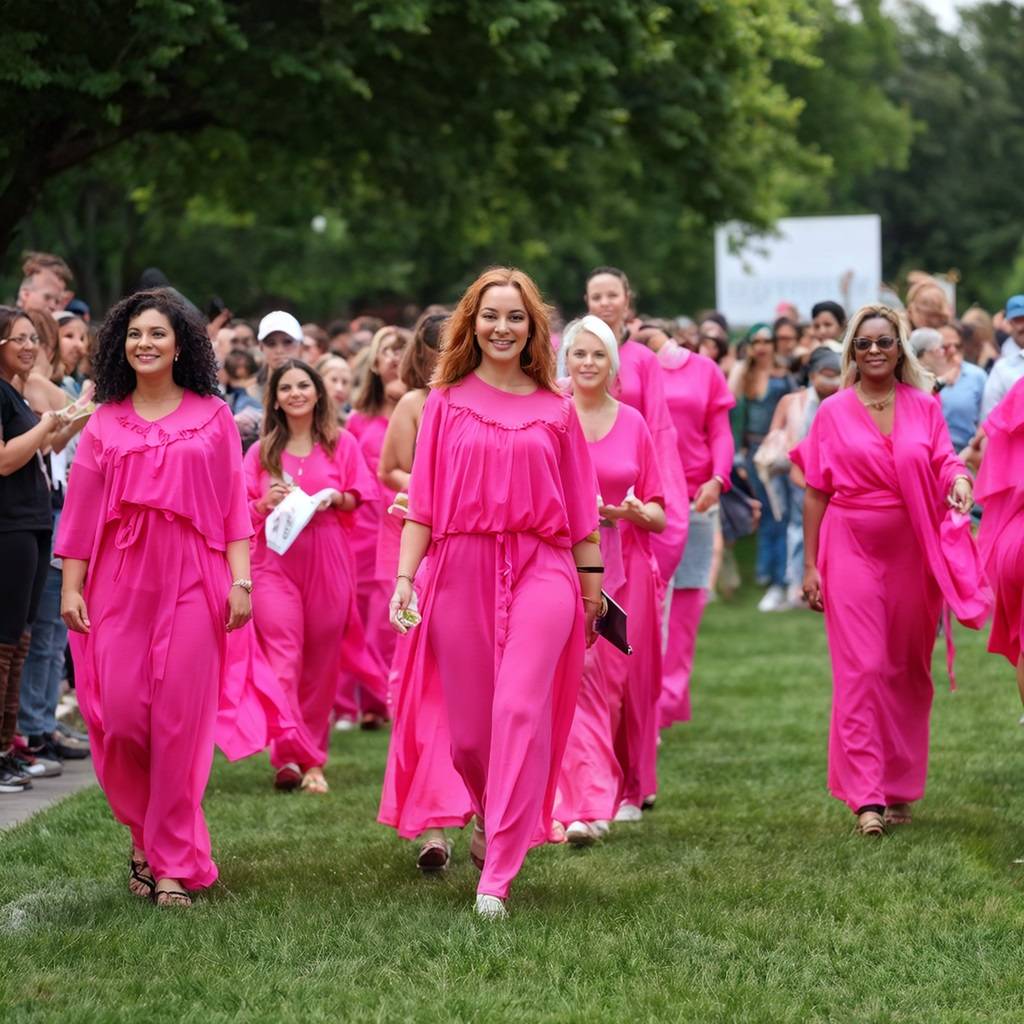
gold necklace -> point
(879, 404)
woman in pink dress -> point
(886, 540)
(503, 495)
(699, 400)
(423, 794)
(155, 541)
(373, 404)
(1000, 491)
(307, 600)
(602, 761)
(640, 383)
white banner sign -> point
(806, 260)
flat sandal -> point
(135, 869)
(870, 823)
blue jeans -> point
(44, 666)
(795, 532)
(771, 533)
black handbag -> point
(736, 510)
(612, 625)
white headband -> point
(592, 325)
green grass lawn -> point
(743, 897)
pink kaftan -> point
(506, 486)
(152, 506)
(699, 401)
(1000, 491)
(886, 549)
(374, 591)
(612, 746)
(639, 383)
(305, 600)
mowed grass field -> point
(743, 897)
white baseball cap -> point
(279, 320)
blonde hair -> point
(369, 397)
(909, 370)
(594, 325)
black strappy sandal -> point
(135, 869)
(165, 898)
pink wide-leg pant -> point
(882, 609)
(505, 611)
(685, 610)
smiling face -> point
(588, 362)
(826, 327)
(877, 365)
(296, 394)
(19, 350)
(502, 324)
(608, 299)
(73, 340)
(150, 345)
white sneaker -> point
(773, 600)
(628, 812)
(344, 725)
(491, 908)
(579, 833)
(601, 828)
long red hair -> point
(460, 352)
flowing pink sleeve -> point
(719, 431)
(355, 474)
(82, 518)
(579, 481)
(424, 467)
(254, 484)
(237, 520)
(648, 486)
(808, 455)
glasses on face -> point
(22, 340)
(710, 337)
(864, 344)
(278, 343)
(951, 346)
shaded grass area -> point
(742, 897)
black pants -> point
(24, 563)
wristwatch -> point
(245, 584)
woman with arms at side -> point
(503, 496)
(155, 542)
(885, 519)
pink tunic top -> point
(639, 383)
(369, 432)
(1000, 490)
(699, 401)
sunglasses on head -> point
(864, 344)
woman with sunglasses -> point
(886, 518)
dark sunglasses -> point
(864, 344)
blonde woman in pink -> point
(699, 401)
(1000, 491)
(603, 761)
(307, 605)
(372, 407)
(155, 541)
(886, 539)
(503, 498)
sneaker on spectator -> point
(68, 749)
(773, 600)
(36, 767)
(11, 780)
(72, 734)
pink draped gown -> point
(152, 506)
(506, 486)
(889, 552)
(611, 751)
(304, 601)
(699, 401)
(1000, 490)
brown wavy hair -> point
(275, 433)
(460, 352)
(420, 358)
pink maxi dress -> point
(889, 552)
(699, 400)
(506, 486)
(609, 756)
(152, 506)
(374, 592)
(1000, 490)
(304, 601)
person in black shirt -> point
(25, 524)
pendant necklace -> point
(879, 404)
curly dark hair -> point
(195, 367)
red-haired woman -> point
(373, 404)
(307, 595)
(503, 495)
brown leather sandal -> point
(870, 823)
(898, 814)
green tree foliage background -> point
(429, 137)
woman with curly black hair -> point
(155, 541)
